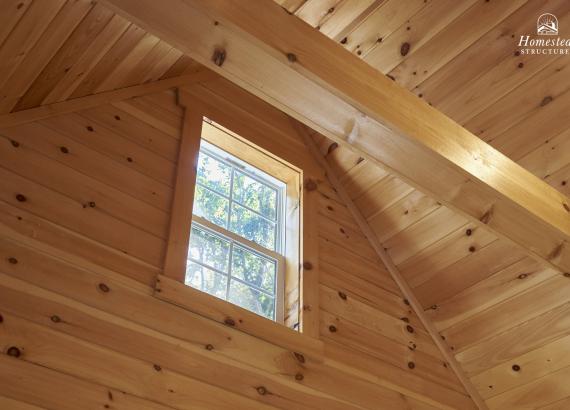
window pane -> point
(211, 206)
(206, 280)
(252, 226)
(214, 174)
(252, 299)
(255, 195)
(253, 269)
(209, 249)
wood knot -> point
(332, 329)
(229, 321)
(521, 65)
(516, 367)
(546, 100)
(405, 49)
(410, 329)
(332, 147)
(261, 390)
(13, 351)
(21, 198)
(104, 288)
(90, 128)
(91, 204)
(1, 319)
(299, 357)
(117, 117)
(64, 150)
(411, 365)
(129, 159)
(55, 319)
(407, 302)
(523, 276)
(342, 295)
(405, 319)
(566, 206)
(291, 57)
(310, 185)
(12, 260)
(344, 40)
(299, 377)
(566, 274)
(219, 56)
(307, 265)
(14, 143)
(472, 249)
(209, 347)
(469, 232)
(157, 367)
(487, 216)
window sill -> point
(186, 297)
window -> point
(237, 238)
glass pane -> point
(252, 226)
(209, 249)
(211, 206)
(206, 280)
(214, 174)
(255, 195)
(253, 269)
(252, 299)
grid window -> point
(237, 234)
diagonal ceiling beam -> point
(392, 269)
(279, 58)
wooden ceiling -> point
(57, 50)
(504, 314)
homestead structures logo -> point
(546, 28)
(547, 25)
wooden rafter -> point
(282, 60)
(392, 269)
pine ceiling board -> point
(540, 89)
(452, 40)
(52, 39)
(519, 340)
(121, 75)
(381, 195)
(559, 405)
(560, 180)
(402, 214)
(11, 11)
(417, 31)
(82, 67)
(347, 13)
(180, 67)
(107, 64)
(379, 24)
(315, 12)
(500, 286)
(423, 233)
(540, 299)
(457, 245)
(475, 267)
(25, 34)
(489, 50)
(162, 57)
(534, 130)
(66, 57)
(361, 177)
(549, 157)
(534, 364)
(540, 392)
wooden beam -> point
(392, 269)
(83, 103)
(279, 58)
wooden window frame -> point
(302, 287)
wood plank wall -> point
(84, 211)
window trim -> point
(254, 120)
